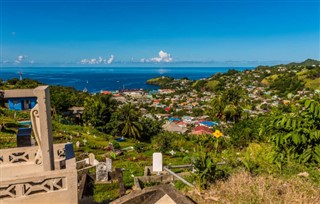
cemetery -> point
(59, 172)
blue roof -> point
(209, 123)
(173, 119)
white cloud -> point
(20, 59)
(110, 60)
(163, 57)
(98, 60)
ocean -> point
(95, 79)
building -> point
(20, 99)
(201, 130)
(172, 127)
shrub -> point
(296, 136)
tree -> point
(296, 136)
(287, 83)
(230, 104)
(27, 84)
(218, 105)
(1, 98)
(63, 98)
(98, 110)
(129, 123)
(150, 129)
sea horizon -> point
(95, 79)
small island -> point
(160, 81)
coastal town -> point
(205, 125)
(183, 107)
(159, 102)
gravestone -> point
(24, 137)
(78, 144)
(91, 159)
(109, 164)
(102, 172)
(157, 162)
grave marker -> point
(102, 172)
(91, 159)
(157, 162)
(109, 164)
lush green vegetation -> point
(160, 81)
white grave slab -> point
(157, 162)
(109, 164)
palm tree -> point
(218, 105)
(235, 99)
(229, 105)
(129, 121)
(98, 110)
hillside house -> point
(20, 99)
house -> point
(187, 119)
(162, 116)
(173, 127)
(106, 92)
(182, 124)
(76, 112)
(20, 99)
(172, 119)
(208, 123)
(201, 130)
(286, 102)
(166, 91)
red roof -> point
(202, 128)
(106, 92)
(201, 132)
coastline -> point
(110, 78)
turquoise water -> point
(98, 78)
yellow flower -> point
(217, 134)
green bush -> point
(296, 136)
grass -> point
(105, 192)
(243, 187)
(313, 84)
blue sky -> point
(158, 33)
